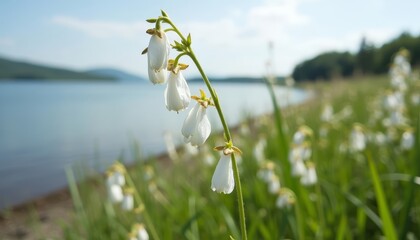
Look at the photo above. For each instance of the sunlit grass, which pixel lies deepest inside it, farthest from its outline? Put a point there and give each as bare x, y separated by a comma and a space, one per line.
358, 195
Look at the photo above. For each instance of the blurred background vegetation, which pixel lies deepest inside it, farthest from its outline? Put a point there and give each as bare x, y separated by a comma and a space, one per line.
368, 60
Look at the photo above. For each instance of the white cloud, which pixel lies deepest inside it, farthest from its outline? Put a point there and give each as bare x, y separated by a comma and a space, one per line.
102, 29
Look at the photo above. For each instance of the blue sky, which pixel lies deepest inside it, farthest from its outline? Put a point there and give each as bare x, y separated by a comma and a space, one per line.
229, 37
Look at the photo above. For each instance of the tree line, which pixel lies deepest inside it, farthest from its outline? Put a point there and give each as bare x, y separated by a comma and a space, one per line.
368, 60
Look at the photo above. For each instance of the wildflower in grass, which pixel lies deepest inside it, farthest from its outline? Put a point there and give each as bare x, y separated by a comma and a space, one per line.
298, 168
115, 181
310, 177
380, 138
157, 56
391, 102
274, 184
177, 92
138, 232
222, 180
357, 138
115, 176
327, 113
196, 128
285, 198
401, 65
407, 140
115, 193
127, 203
259, 150
266, 172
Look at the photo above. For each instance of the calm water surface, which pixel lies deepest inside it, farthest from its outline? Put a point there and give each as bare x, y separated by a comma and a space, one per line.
46, 127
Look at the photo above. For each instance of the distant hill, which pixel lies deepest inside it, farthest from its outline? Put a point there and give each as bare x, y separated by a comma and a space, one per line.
19, 70
117, 74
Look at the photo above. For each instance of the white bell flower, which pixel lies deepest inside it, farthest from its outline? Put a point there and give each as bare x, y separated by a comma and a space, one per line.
177, 92
357, 139
158, 50
274, 184
298, 168
285, 199
115, 193
139, 232
327, 113
309, 178
407, 140
116, 178
127, 203
222, 180
196, 128
298, 137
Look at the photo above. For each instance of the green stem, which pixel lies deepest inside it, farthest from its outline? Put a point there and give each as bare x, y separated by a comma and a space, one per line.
178, 57
228, 137
139, 202
236, 176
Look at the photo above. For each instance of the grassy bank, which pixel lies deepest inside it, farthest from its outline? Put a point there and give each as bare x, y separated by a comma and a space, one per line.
358, 194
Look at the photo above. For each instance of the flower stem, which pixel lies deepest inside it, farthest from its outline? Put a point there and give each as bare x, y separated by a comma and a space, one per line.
236, 176
228, 137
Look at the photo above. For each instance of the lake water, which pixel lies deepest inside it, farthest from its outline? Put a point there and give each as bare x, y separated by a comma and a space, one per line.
45, 127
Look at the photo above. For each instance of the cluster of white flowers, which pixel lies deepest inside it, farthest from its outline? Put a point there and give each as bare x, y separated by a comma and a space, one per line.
196, 127
266, 172
300, 153
395, 104
117, 191
388, 122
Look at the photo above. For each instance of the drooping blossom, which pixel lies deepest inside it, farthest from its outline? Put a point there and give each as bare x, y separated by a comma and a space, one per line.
357, 139
177, 92
158, 56
222, 180
407, 140
310, 177
196, 128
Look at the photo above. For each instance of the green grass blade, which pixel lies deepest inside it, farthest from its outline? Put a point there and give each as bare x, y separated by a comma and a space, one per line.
77, 201
388, 226
409, 198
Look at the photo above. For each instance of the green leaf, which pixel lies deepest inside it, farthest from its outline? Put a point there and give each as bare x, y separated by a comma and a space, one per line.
151, 20
388, 226
189, 39
164, 13
410, 193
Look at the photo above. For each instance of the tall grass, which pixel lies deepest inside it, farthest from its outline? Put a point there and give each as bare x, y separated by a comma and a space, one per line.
357, 196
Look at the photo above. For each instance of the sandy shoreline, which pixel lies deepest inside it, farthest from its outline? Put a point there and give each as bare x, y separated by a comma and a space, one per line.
43, 217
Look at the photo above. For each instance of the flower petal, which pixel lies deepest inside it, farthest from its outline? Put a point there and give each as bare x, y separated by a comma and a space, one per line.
158, 52
202, 129
190, 122
222, 180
